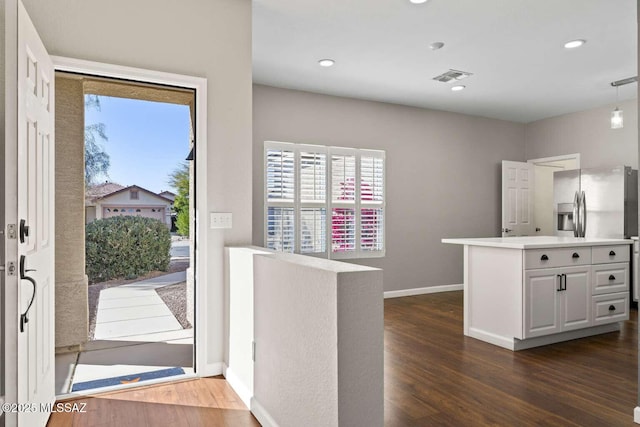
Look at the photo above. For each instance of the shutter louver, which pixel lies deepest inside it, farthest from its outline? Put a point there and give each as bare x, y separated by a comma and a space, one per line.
371, 229
280, 229
313, 236
280, 175
371, 179
343, 230
313, 177
343, 178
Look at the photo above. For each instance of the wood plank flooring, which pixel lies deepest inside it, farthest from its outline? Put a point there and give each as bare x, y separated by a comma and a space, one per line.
435, 376
191, 403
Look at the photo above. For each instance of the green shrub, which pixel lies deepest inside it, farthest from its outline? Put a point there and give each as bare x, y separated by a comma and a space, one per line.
126, 247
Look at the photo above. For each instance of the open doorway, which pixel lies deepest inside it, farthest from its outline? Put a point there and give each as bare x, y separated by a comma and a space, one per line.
137, 240
543, 170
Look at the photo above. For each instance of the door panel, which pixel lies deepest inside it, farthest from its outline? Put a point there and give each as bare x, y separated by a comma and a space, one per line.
29, 205
541, 311
576, 313
517, 199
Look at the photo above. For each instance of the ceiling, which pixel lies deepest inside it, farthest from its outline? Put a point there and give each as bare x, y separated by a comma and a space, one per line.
514, 48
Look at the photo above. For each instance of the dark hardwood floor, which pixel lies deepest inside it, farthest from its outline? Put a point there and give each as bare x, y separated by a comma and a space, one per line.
435, 376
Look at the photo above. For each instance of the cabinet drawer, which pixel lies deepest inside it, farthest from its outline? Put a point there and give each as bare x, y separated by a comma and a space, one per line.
609, 278
559, 257
610, 308
604, 254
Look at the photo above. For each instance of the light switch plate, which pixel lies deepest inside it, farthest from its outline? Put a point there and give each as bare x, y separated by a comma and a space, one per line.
220, 220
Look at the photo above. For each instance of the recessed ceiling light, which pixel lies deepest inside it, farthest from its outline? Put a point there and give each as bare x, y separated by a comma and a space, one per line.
418, 1
457, 88
326, 62
572, 44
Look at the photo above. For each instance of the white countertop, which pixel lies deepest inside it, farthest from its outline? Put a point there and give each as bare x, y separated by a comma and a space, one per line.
535, 242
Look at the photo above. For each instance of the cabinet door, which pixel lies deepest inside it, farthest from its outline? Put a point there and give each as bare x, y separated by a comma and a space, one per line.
541, 302
576, 299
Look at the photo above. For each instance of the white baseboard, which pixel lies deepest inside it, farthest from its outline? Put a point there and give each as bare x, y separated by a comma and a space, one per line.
636, 415
262, 415
241, 389
422, 291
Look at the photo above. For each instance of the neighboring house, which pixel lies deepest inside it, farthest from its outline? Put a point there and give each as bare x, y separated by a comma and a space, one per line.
111, 199
168, 195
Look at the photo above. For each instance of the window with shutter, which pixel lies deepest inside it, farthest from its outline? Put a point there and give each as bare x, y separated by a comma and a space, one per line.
324, 201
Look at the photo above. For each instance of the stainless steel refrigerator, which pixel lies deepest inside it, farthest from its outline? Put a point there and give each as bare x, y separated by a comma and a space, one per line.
599, 202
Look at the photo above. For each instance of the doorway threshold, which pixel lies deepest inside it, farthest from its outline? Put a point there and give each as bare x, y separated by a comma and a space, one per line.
111, 365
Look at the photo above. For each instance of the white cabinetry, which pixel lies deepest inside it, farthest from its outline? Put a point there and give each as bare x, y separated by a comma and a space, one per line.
556, 300
521, 293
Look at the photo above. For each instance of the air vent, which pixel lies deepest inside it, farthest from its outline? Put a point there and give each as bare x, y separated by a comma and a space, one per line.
452, 75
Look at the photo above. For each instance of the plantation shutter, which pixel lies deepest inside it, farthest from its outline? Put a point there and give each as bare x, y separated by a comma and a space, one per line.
280, 199
343, 202
313, 199
324, 201
372, 201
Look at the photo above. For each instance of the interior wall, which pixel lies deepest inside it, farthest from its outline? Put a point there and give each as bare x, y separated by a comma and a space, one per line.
204, 38
588, 133
443, 173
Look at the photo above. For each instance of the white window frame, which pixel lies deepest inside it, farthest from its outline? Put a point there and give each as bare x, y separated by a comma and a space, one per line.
328, 204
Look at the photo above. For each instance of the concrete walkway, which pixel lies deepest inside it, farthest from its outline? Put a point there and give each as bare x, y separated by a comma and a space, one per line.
136, 309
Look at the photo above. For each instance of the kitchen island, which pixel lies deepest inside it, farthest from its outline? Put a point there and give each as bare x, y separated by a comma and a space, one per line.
523, 292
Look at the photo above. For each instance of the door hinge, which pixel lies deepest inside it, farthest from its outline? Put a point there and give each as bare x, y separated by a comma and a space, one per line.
253, 351
11, 268
11, 231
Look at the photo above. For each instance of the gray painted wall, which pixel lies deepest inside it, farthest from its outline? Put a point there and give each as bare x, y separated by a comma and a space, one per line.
206, 38
588, 133
443, 172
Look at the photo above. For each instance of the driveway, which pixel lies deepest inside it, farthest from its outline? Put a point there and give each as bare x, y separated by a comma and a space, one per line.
179, 248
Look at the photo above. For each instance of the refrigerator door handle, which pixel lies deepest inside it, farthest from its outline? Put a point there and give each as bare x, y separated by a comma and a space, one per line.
576, 218
583, 215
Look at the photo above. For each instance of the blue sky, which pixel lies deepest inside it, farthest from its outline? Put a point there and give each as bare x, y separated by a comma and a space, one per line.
147, 140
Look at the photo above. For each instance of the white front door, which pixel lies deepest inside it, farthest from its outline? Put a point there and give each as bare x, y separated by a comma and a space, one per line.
517, 199
30, 236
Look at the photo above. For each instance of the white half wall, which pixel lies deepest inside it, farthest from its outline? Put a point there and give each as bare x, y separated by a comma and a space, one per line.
240, 308
319, 342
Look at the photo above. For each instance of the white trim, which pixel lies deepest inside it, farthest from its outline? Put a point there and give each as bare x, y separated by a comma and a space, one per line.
515, 344
211, 369
199, 85
422, 291
261, 414
241, 389
575, 156
636, 415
